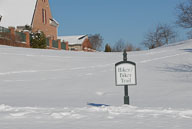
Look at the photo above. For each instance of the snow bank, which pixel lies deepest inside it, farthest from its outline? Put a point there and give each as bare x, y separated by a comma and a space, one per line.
87, 112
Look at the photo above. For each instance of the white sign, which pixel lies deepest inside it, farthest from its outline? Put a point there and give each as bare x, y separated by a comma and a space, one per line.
125, 73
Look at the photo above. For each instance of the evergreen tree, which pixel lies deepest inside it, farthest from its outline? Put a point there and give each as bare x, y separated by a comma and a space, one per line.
38, 40
107, 48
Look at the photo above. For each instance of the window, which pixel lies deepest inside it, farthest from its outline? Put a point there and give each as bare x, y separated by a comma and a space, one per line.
44, 16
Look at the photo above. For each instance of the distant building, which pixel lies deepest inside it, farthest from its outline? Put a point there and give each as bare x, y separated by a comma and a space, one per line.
36, 14
77, 43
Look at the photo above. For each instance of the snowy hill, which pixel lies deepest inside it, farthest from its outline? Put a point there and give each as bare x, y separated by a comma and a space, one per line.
48, 89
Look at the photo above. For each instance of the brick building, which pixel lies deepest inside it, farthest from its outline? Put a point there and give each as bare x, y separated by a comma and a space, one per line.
34, 13
77, 43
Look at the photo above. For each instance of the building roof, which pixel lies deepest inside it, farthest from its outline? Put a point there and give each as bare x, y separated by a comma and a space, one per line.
73, 40
17, 12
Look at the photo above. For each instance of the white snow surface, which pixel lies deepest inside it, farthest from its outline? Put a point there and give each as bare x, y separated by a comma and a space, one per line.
16, 12
49, 89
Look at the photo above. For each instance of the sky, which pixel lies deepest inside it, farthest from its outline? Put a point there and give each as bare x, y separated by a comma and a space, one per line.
129, 20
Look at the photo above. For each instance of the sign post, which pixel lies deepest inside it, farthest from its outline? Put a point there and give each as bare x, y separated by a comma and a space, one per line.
125, 75
126, 97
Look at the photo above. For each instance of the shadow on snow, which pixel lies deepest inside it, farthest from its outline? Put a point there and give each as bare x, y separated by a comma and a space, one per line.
179, 68
187, 50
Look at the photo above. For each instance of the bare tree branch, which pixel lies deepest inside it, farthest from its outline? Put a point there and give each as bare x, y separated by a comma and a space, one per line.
96, 41
119, 46
162, 34
184, 14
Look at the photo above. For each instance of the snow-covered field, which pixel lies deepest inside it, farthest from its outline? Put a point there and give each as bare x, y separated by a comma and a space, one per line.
48, 89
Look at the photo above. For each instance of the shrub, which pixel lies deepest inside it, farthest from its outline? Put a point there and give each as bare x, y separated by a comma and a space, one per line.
107, 48
38, 40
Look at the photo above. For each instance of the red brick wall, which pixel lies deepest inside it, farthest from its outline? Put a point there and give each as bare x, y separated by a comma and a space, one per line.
12, 43
11, 39
67, 45
38, 24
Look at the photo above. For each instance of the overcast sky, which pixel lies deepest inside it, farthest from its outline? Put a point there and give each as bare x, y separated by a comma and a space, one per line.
113, 19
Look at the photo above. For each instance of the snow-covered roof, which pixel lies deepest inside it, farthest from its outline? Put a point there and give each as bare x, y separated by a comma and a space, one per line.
73, 40
16, 12
53, 22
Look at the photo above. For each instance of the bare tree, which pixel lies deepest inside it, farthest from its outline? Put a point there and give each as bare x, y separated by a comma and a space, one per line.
167, 33
137, 49
119, 46
162, 34
96, 41
130, 47
184, 14
152, 39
